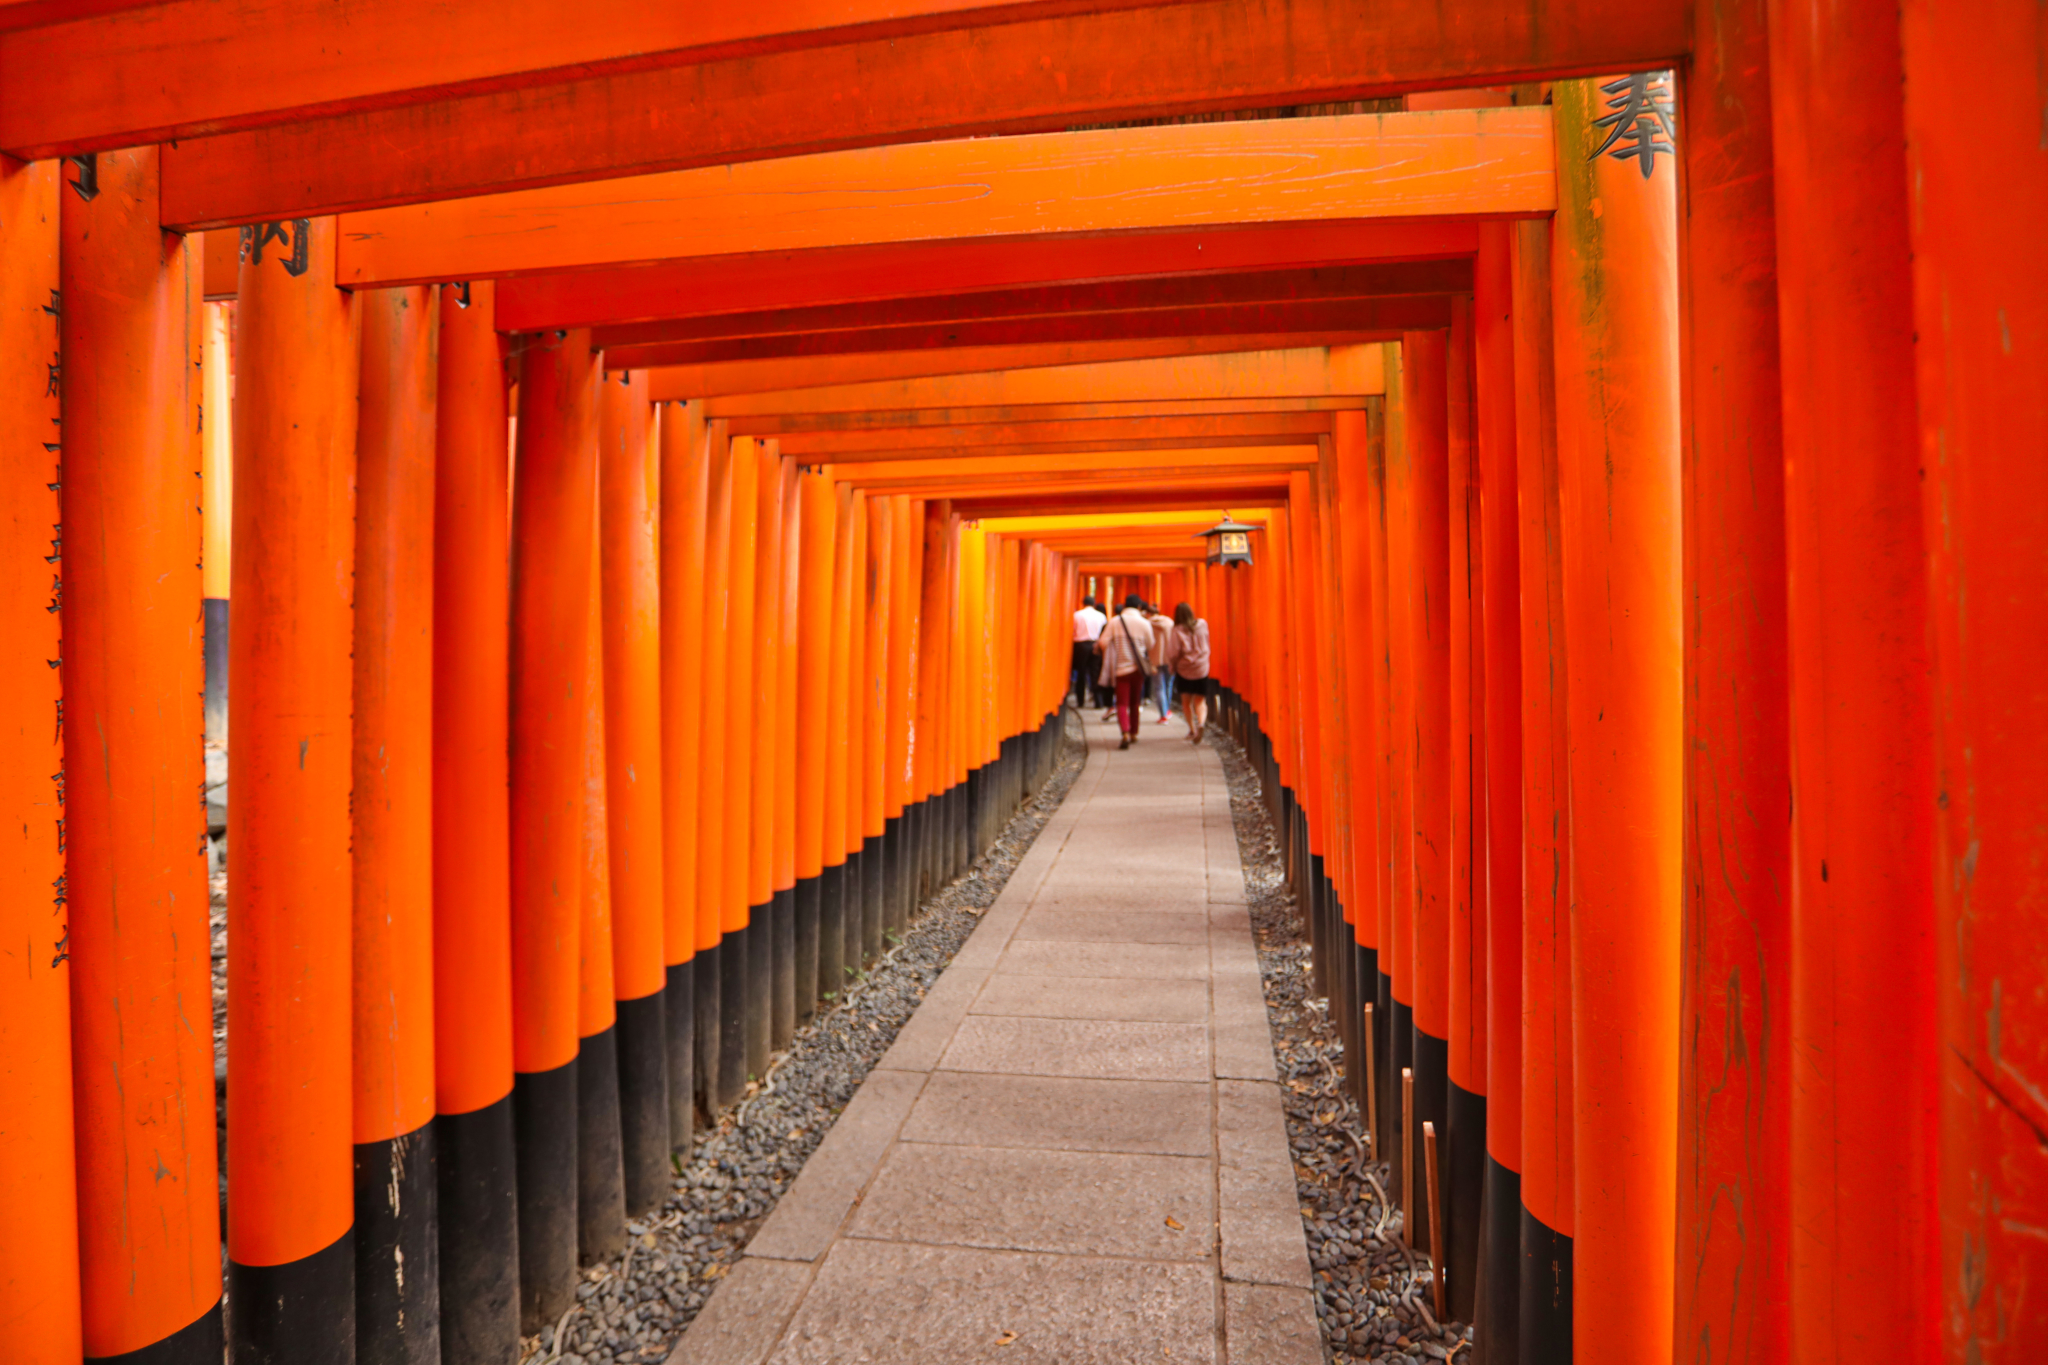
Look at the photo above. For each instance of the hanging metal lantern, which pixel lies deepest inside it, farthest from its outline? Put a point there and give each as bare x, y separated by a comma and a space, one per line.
1230, 542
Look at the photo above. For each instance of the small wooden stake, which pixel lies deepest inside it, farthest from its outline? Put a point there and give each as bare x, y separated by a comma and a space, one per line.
1408, 1154
1372, 1086
1436, 1222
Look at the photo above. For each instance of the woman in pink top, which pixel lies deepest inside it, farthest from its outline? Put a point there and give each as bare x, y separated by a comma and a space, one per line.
1187, 654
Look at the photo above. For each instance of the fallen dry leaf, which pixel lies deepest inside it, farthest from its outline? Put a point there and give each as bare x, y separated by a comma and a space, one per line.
1006, 1338
1172, 1223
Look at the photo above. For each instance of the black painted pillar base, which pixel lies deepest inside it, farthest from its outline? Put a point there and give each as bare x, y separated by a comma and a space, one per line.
479, 1207
398, 1250
1401, 1025
1432, 1065
301, 1312
895, 861
544, 1137
709, 969
600, 1162
760, 990
1464, 1177
202, 1341
1497, 1313
732, 1019
782, 1003
1365, 982
679, 1017
829, 972
1322, 949
808, 901
874, 891
1383, 1064
642, 1032
1546, 1293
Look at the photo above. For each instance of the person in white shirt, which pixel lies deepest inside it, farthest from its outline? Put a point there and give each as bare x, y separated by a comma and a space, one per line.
1126, 648
1088, 623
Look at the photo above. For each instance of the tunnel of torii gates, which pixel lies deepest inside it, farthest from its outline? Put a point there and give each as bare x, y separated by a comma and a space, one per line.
667, 444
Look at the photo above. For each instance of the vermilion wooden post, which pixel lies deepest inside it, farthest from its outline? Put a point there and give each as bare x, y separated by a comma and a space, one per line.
811, 707
1401, 723
864, 823
715, 849
1546, 846
1615, 273
743, 478
1981, 315
1497, 1312
882, 763
479, 1245
1352, 456
133, 895
685, 479
1379, 627
39, 1289
600, 1167
782, 619
1735, 1064
1863, 1110
839, 834
629, 539
1464, 1141
906, 549
934, 619
291, 1253
392, 843
554, 521
762, 628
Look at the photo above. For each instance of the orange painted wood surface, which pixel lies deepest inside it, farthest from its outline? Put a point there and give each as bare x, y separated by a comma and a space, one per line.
1015, 77
596, 1008
1456, 163
685, 476
715, 850
290, 1158
39, 1289
1057, 436
756, 281
391, 797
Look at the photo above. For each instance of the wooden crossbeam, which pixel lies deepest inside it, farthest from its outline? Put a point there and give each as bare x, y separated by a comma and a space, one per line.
760, 281
1447, 163
1193, 461
390, 138
1114, 433
1314, 413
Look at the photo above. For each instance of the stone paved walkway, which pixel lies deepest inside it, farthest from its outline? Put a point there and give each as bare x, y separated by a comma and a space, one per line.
1074, 1151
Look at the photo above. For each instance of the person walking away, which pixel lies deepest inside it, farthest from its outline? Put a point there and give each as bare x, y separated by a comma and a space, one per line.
1088, 623
1126, 645
1162, 676
1187, 657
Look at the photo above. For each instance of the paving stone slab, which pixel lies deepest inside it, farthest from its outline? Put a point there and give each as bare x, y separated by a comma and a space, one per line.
883, 1303
1269, 1324
1188, 926
1172, 1001
1256, 1201
1063, 1113
1159, 1208
1154, 960
745, 1315
1077, 895
922, 1040
808, 1217
1103, 1049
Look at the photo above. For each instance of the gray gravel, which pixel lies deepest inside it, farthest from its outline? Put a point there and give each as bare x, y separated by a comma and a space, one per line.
633, 1309
1372, 1293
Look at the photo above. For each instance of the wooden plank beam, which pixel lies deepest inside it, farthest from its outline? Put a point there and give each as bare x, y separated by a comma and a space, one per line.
1206, 460
1284, 410
34, 13
1443, 164
694, 287
734, 380
1013, 379
1392, 279
1032, 75
1374, 319
1114, 433
1097, 503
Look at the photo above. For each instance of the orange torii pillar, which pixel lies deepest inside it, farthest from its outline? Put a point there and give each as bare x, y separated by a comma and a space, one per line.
1351, 445
839, 815
1425, 361
554, 521
934, 622
1862, 1029
1981, 311
1735, 1060
741, 478
472, 857
397, 1241
39, 1274
1614, 264
1464, 1158
782, 621
1497, 1277
906, 554
768, 902
715, 850
684, 476
134, 894
1311, 814
880, 766
629, 541
1398, 643
860, 873
291, 1251
600, 1165
811, 709
1546, 847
